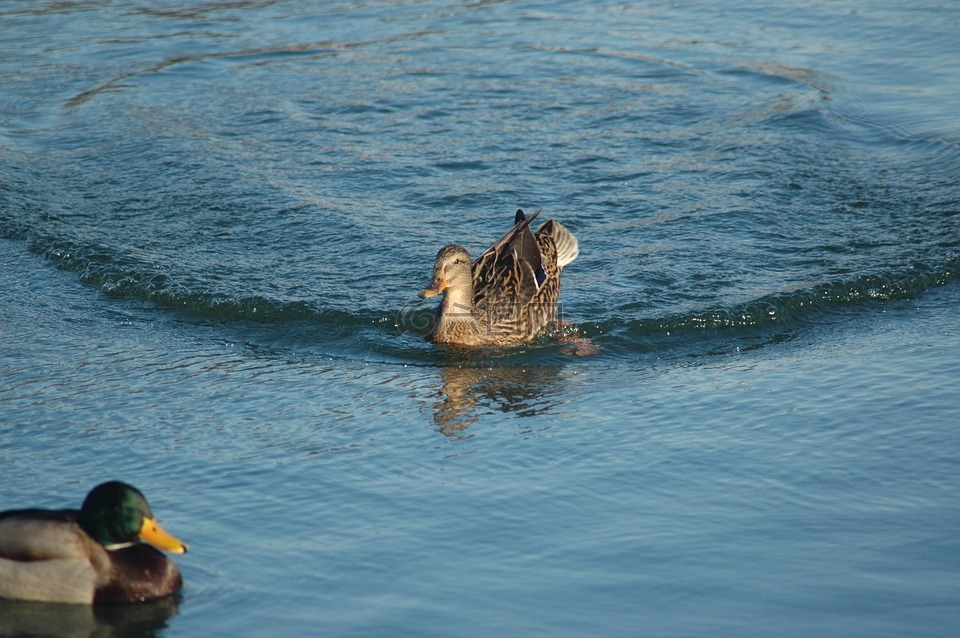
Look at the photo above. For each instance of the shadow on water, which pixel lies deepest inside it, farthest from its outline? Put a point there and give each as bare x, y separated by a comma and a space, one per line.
22, 618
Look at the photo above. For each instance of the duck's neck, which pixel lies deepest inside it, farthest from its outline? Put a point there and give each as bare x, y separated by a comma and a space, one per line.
458, 303
457, 324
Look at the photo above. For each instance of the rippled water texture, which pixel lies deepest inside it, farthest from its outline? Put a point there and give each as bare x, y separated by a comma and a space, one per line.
215, 218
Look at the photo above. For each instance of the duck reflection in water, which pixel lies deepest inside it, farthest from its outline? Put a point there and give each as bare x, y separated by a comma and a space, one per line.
27, 618
471, 389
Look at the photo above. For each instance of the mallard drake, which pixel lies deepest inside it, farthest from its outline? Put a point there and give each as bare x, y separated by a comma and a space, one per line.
509, 293
91, 555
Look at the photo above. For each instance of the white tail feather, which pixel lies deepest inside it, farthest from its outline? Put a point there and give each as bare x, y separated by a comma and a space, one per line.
567, 245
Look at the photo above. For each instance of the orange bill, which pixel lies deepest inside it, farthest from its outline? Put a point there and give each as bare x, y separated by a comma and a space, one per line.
152, 533
439, 286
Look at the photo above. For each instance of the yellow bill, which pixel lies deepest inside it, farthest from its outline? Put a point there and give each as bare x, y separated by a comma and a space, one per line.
152, 533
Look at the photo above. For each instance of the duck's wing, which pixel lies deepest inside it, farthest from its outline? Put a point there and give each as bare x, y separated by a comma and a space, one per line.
59, 580
36, 534
511, 270
45, 556
557, 247
518, 240
517, 280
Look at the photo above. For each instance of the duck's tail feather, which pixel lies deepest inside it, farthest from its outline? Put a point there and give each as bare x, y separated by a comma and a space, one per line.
567, 245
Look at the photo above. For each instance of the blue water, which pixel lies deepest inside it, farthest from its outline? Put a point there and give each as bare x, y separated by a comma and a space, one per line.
215, 218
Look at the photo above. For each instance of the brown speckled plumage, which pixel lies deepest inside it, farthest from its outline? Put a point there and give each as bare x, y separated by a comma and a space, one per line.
509, 293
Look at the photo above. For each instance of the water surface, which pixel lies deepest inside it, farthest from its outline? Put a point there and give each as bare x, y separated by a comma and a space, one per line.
215, 220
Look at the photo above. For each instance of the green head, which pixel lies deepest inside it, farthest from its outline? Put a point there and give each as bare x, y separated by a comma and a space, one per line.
115, 513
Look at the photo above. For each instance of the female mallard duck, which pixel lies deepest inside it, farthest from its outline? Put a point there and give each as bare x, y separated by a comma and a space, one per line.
90, 555
509, 293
